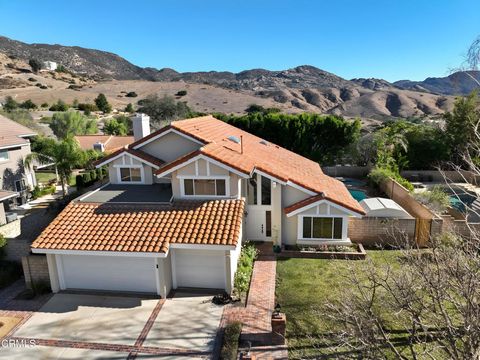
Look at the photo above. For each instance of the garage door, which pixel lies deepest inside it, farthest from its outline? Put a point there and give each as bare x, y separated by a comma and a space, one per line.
117, 273
200, 268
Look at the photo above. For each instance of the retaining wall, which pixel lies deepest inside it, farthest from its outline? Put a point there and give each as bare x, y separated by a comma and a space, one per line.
372, 231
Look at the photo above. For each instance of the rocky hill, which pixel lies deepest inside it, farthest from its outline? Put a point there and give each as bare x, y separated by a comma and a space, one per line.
303, 88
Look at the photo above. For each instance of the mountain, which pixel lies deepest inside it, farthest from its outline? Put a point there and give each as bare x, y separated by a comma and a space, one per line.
303, 88
458, 83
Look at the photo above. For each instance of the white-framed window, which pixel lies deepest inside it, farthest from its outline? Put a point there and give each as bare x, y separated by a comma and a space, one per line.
130, 174
320, 227
205, 187
259, 190
4, 155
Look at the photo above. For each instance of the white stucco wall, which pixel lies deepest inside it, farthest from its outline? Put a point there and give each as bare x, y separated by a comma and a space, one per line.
126, 161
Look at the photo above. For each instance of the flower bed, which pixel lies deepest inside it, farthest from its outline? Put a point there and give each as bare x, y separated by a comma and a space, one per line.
352, 252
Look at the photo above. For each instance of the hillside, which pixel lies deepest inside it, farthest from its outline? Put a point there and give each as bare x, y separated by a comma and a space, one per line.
303, 88
458, 83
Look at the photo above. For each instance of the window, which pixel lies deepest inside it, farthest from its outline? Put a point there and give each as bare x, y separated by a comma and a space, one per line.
268, 223
3, 155
204, 187
322, 228
20, 185
266, 191
130, 174
252, 191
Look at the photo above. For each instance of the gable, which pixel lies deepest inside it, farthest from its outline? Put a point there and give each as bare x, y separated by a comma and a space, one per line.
322, 207
169, 146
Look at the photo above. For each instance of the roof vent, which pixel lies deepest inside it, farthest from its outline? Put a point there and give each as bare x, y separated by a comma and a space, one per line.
237, 140
264, 142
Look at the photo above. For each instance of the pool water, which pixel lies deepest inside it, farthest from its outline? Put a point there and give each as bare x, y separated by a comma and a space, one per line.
349, 182
358, 195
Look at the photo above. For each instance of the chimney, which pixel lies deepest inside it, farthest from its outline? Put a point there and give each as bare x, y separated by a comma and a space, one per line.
141, 126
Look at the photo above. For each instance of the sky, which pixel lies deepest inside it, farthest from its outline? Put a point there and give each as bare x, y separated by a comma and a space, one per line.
389, 39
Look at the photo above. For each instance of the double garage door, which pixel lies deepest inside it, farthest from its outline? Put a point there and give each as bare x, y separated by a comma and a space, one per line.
193, 268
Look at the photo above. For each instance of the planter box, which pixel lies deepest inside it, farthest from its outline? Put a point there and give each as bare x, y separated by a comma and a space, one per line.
336, 255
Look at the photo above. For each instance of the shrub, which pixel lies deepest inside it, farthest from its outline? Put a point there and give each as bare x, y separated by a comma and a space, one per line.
245, 267
79, 181
10, 104
28, 104
44, 105
131, 94
86, 179
102, 103
379, 175
93, 175
435, 199
43, 87
181, 93
231, 337
59, 106
100, 175
129, 108
32, 79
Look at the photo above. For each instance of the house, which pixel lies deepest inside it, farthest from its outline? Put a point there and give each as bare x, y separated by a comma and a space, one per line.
14, 147
179, 204
50, 65
103, 143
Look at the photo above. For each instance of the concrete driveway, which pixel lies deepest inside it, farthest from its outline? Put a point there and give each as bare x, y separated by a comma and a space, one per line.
79, 326
187, 321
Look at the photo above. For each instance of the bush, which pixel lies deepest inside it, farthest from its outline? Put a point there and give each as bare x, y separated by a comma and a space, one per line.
102, 103
43, 87
181, 93
100, 174
93, 175
32, 79
44, 105
28, 104
435, 199
379, 175
129, 108
10, 104
86, 179
39, 192
59, 106
3, 243
131, 94
231, 337
79, 181
244, 270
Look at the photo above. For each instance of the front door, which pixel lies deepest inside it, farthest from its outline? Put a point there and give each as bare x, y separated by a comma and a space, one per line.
259, 224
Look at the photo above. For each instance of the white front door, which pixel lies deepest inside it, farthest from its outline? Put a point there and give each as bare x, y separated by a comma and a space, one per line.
258, 224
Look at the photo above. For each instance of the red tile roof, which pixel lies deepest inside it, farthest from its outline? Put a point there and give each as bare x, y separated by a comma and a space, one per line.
261, 155
143, 228
12, 133
111, 142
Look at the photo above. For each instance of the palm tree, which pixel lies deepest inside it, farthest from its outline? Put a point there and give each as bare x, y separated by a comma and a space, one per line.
65, 154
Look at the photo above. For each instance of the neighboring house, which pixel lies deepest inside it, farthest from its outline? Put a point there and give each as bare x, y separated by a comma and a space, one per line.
180, 203
50, 65
103, 143
5, 196
14, 147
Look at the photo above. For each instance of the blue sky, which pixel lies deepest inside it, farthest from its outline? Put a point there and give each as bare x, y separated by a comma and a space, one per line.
387, 39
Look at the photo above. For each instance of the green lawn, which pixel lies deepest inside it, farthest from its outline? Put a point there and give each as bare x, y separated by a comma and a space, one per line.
303, 286
44, 177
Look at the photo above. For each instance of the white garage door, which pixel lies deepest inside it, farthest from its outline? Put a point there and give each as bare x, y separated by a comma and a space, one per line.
117, 273
200, 268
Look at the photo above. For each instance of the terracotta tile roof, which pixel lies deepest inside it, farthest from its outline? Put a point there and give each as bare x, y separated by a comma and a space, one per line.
111, 142
261, 155
303, 203
143, 228
12, 133
138, 153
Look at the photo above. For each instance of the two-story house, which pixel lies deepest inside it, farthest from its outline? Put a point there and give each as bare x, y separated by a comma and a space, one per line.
14, 147
179, 204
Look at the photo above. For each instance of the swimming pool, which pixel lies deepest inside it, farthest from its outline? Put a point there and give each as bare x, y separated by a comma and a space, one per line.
358, 195
349, 182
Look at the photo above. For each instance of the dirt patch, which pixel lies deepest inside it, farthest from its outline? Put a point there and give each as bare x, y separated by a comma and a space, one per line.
7, 323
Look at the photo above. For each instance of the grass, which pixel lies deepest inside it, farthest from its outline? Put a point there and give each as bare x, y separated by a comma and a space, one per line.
44, 177
304, 286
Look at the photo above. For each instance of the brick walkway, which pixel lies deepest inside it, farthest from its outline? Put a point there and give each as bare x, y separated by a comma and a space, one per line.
256, 315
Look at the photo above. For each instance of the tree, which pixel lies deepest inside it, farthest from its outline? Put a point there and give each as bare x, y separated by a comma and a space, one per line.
59, 106
35, 64
462, 124
65, 154
181, 93
131, 94
163, 109
129, 108
72, 123
10, 104
102, 103
113, 127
